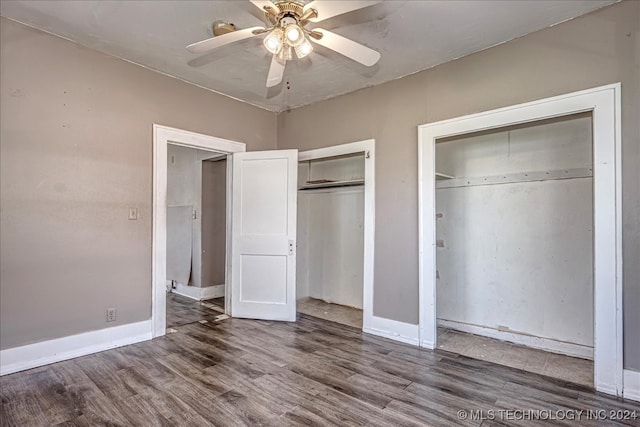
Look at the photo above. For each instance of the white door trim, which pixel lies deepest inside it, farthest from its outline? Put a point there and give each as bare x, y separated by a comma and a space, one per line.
368, 147
604, 103
162, 136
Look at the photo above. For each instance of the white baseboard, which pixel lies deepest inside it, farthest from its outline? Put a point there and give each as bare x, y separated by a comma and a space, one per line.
430, 345
392, 329
546, 344
209, 292
631, 388
46, 352
199, 294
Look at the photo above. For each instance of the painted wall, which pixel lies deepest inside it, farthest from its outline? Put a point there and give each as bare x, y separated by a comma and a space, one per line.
76, 154
596, 49
214, 226
518, 256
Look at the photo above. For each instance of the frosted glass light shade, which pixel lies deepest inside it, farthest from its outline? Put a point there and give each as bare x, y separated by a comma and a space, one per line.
273, 42
303, 49
285, 53
294, 35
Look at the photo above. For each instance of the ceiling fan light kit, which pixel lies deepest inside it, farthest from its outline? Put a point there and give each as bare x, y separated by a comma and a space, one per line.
287, 32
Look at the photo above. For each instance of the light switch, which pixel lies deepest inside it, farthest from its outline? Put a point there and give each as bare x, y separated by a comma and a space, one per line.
133, 213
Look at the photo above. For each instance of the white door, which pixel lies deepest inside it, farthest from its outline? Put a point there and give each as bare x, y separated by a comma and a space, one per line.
263, 235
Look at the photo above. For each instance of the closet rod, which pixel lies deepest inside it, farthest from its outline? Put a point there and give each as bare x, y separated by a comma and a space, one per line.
332, 184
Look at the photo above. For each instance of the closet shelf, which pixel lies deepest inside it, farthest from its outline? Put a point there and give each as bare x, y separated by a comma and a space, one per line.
326, 183
441, 176
515, 177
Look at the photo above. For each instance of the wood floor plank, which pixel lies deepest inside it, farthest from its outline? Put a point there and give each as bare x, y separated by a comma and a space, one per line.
362, 412
289, 388
140, 412
300, 416
365, 370
428, 414
248, 410
238, 372
99, 409
167, 403
103, 375
56, 402
24, 409
80, 421
248, 386
441, 402
69, 372
464, 389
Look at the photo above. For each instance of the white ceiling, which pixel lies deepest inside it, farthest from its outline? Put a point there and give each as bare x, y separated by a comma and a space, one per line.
410, 35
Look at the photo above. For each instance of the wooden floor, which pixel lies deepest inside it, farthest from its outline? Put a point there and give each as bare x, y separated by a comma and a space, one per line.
312, 372
182, 310
572, 369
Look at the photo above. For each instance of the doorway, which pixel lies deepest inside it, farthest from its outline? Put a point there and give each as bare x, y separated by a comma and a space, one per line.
603, 103
196, 234
163, 137
260, 227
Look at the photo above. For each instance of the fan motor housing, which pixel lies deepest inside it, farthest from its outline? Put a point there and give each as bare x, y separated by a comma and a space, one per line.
290, 7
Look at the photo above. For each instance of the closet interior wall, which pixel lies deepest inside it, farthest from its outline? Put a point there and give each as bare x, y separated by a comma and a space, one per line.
514, 227
330, 257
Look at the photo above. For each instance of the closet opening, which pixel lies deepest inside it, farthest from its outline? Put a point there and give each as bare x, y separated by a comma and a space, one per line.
514, 251
331, 235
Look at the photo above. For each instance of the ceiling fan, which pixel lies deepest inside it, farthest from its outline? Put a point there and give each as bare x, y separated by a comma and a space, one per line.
287, 31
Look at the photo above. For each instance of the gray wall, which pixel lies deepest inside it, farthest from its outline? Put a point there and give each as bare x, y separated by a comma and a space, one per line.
76, 151
600, 48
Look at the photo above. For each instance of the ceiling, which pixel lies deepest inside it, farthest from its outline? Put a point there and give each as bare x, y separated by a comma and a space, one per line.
410, 35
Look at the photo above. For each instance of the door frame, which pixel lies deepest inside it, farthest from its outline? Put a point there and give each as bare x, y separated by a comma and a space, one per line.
162, 137
368, 147
605, 105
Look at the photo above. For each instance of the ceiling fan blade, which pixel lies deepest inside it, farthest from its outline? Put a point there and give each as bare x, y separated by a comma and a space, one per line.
276, 71
346, 47
217, 41
330, 8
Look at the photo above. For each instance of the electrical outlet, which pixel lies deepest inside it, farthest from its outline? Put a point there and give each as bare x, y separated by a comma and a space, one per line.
111, 314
